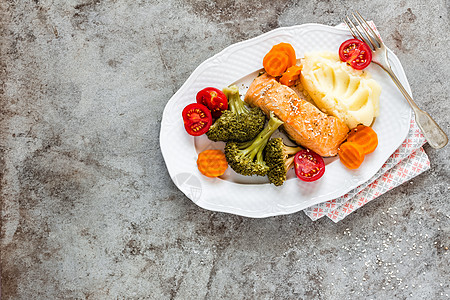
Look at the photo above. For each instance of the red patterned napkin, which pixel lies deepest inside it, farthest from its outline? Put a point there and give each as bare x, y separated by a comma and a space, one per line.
408, 161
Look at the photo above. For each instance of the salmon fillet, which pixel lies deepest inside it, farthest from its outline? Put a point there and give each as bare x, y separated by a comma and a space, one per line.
303, 122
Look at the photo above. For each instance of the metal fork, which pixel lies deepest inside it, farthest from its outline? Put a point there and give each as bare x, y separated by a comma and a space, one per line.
435, 136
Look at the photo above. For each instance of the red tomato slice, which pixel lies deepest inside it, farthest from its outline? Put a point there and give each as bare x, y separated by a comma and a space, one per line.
309, 166
197, 119
356, 53
214, 99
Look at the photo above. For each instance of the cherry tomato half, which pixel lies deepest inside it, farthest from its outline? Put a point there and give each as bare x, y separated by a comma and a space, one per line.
214, 99
356, 53
197, 119
309, 166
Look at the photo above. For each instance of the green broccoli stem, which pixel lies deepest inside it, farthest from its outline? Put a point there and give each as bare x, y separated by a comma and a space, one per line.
289, 162
290, 150
235, 102
256, 146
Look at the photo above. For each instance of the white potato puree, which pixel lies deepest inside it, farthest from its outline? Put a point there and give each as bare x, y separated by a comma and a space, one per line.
339, 90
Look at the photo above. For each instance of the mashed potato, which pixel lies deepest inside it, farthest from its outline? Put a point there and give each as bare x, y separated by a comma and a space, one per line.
339, 90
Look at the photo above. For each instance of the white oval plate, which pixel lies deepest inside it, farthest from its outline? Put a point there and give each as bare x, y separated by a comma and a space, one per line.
254, 196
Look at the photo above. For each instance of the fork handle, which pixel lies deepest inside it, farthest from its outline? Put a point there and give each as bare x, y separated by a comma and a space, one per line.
434, 135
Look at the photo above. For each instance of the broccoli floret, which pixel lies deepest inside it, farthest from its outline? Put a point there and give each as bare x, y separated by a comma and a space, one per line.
247, 158
238, 124
279, 158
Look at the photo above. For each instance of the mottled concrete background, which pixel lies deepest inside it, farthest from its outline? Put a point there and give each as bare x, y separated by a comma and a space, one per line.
89, 210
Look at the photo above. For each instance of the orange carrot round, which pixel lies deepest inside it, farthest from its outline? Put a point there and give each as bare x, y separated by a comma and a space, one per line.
351, 155
212, 163
364, 136
291, 75
275, 63
286, 47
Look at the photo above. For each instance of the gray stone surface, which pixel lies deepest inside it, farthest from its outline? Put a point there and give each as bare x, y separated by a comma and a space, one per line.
89, 210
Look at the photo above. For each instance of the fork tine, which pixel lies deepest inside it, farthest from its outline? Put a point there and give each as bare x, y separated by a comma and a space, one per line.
377, 38
369, 39
359, 35
351, 29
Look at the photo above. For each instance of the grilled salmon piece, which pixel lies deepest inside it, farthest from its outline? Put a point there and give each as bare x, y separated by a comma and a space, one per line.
303, 122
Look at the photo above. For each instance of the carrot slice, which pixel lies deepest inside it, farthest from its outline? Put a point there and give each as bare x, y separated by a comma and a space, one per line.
364, 136
286, 47
275, 63
212, 163
291, 75
351, 155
